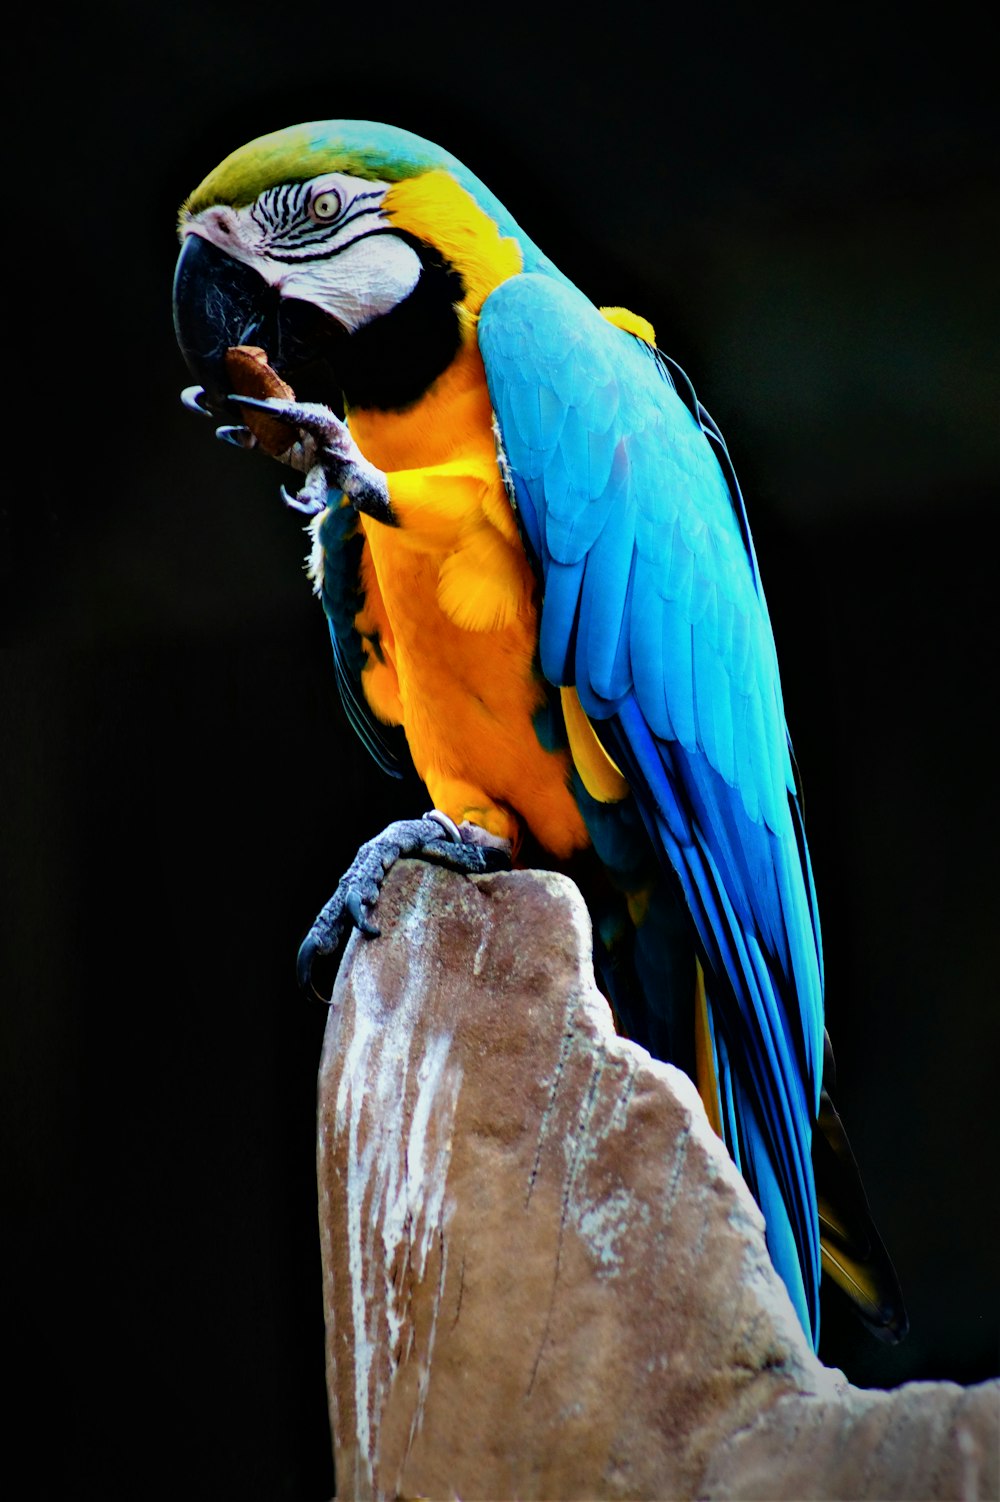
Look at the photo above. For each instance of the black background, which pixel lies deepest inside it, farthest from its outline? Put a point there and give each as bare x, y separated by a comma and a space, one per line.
807, 212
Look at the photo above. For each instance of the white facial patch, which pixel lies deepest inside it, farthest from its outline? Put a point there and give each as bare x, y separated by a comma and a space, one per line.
363, 281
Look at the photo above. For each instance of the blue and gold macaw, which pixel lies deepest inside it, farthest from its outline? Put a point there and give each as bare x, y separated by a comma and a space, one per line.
535, 558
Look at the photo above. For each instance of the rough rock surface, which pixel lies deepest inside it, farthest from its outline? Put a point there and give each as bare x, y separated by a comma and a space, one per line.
543, 1277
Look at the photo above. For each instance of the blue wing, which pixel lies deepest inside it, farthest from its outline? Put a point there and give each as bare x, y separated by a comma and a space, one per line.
652, 607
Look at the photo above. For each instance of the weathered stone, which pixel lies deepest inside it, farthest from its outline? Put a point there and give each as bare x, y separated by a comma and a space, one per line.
543, 1276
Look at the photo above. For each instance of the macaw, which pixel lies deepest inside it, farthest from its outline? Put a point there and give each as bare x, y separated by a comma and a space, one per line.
535, 558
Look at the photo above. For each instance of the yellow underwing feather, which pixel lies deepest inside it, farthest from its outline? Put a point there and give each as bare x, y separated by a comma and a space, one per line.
598, 773
851, 1249
854, 1278
638, 905
706, 1072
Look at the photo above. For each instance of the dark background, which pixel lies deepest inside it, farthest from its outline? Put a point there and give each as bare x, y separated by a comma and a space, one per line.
807, 212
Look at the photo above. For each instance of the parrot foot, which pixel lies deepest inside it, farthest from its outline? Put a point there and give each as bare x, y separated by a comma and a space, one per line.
434, 837
335, 462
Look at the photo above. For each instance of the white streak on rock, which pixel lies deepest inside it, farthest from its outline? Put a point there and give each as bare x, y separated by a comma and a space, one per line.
399, 1121
350, 1101
606, 1225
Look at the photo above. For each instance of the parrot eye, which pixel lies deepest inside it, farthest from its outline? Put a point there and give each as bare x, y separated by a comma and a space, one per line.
325, 205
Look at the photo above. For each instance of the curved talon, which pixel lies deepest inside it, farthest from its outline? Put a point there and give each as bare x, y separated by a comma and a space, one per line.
308, 950
449, 826
310, 507
239, 437
353, 904
191, 398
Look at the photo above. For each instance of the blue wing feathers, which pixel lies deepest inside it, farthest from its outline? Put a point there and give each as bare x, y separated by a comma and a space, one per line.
602, 618
677, 655
713, 710
646, 650
558, 634
652, 607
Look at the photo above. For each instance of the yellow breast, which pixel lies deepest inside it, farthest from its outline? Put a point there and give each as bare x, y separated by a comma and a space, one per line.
452, 598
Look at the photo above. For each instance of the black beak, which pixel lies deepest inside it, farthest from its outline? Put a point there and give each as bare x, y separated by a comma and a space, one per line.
219, 302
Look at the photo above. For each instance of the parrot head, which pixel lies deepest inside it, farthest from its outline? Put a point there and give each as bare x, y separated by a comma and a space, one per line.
355, 255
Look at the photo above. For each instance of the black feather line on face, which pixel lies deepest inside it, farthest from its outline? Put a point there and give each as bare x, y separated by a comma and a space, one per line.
290, 241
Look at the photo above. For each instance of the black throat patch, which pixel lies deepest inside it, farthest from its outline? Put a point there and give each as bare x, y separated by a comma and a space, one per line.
389, 364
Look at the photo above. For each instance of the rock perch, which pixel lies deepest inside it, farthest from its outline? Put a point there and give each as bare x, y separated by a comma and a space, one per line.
543, 1277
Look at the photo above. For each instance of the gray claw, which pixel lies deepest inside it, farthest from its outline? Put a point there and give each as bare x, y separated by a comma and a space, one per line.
449, 826
306, 502
352, 903
239, 437
191, 397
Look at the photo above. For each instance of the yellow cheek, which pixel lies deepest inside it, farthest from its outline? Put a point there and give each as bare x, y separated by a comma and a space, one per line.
439, 211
